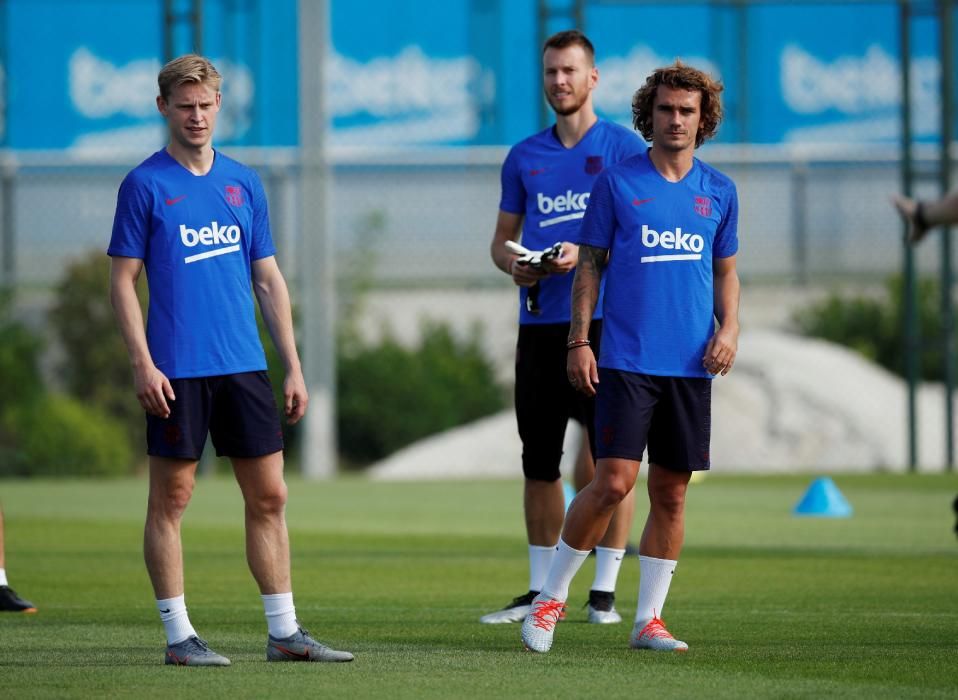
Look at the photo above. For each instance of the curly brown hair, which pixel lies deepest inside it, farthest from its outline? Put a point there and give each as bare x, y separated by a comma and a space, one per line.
679, 76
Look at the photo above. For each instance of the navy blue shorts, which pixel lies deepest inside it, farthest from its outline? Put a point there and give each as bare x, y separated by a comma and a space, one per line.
545, 401
237, 410
672, 416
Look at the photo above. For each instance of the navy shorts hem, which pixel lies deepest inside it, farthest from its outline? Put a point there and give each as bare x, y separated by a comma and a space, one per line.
238, 411
667, 418
251, 452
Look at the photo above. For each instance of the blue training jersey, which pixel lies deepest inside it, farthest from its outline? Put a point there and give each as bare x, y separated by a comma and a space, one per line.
197, 237
662, 236
550, 185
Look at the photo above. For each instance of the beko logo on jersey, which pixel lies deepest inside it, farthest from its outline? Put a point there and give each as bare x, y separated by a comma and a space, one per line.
568, 206
692, 243
214, 234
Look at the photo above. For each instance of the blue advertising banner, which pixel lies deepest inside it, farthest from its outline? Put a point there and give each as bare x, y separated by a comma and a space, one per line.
80, 74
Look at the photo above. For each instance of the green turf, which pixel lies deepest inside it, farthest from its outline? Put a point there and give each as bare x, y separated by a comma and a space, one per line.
771, 605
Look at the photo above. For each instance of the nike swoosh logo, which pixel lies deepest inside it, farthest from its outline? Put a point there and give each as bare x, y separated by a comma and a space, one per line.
290, 652
636, 202
537, 171
618, 558
176, 199
165, 611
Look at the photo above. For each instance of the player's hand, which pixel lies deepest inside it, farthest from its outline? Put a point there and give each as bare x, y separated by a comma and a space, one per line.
525, 275
565, 262
295, 397
582, 371
908, 211
721, 351
153, 390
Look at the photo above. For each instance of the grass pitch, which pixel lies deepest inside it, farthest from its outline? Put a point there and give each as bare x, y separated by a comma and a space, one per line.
770, 604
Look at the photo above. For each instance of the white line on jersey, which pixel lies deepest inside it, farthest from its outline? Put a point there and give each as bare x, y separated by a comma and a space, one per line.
670, 258
211, 254
560, 219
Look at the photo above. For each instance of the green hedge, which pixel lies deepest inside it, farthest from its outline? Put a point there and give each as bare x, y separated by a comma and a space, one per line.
873, 325
391, 395
56, 435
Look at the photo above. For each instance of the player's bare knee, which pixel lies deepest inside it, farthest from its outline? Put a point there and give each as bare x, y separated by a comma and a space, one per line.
171, 502
610, 490
271, 501
668, 501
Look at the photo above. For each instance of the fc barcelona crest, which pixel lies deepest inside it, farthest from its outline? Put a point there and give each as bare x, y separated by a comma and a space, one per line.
703, 206
234, 195
593, 165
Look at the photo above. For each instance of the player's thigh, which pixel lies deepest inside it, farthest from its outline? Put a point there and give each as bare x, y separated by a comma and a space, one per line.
245, 420
261, 478
624, 408
182, 434
544, 400
682, 425
582, 407
171, 483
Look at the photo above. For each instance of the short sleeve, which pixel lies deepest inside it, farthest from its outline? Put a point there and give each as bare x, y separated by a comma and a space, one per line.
261, 245
513, 199
726, 236
132, 220
598, 225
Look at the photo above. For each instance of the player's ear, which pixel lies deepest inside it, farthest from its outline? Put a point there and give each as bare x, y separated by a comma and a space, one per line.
161, 105
219, 99
593, 77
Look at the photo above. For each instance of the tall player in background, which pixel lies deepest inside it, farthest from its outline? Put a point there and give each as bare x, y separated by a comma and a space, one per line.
667, 223
546, 181
197, 221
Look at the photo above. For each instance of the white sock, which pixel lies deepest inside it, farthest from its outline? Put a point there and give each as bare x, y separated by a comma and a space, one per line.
175, 619
540, 559
3, 577
654, 581
564, 567
280, 614
608, 561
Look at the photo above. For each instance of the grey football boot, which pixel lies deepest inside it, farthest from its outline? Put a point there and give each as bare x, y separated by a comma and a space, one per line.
193, 651
301, 647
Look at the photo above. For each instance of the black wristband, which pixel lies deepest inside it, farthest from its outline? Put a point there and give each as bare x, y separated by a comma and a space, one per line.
920, 221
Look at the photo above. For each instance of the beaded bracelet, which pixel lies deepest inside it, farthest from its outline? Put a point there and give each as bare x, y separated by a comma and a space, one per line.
578, 343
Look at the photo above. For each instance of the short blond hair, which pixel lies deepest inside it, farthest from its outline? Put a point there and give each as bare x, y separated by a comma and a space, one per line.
191, 68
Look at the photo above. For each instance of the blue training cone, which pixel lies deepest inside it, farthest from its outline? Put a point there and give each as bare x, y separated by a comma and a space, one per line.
823, 500
569, 493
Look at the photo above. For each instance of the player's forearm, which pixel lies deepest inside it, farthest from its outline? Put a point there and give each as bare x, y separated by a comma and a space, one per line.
129, 318
727, 293
585, 290
274, 303
941, 212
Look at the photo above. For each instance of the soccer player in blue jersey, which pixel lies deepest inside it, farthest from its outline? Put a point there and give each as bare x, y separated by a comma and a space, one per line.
197, 222
662, 229
546, 183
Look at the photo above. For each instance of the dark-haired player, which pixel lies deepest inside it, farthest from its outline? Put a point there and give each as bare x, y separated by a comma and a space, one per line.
546, 183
